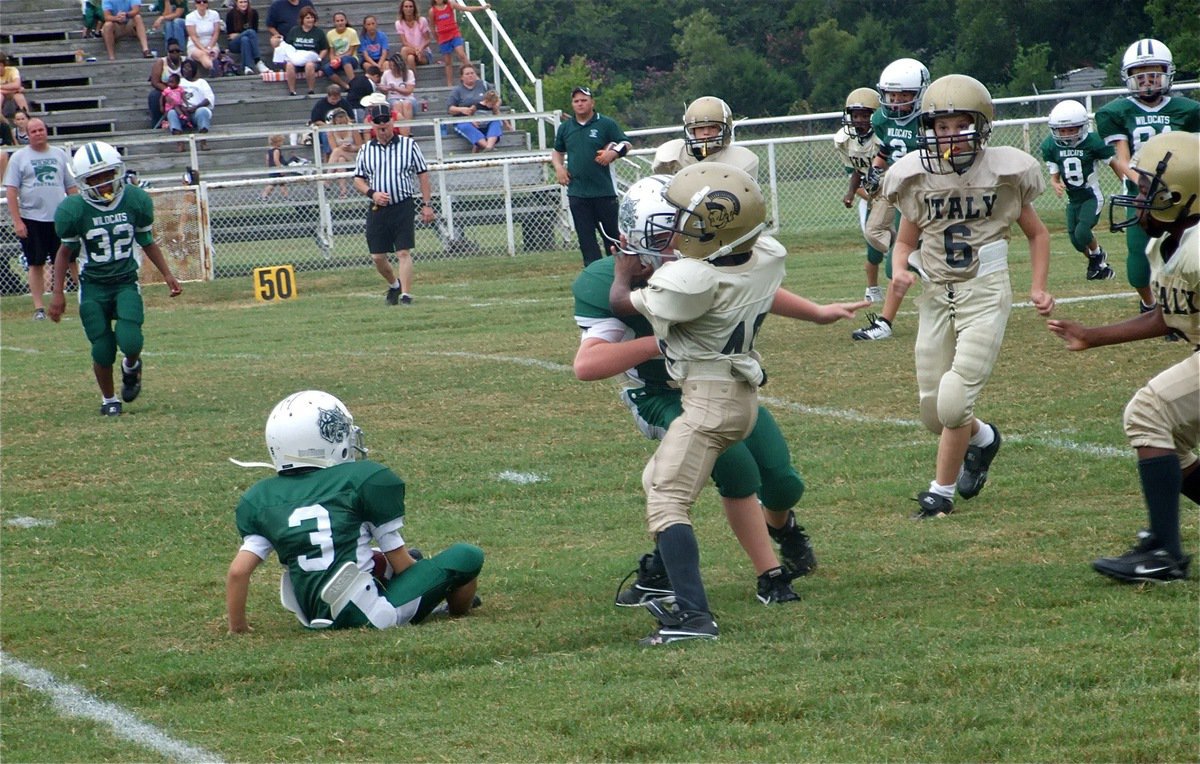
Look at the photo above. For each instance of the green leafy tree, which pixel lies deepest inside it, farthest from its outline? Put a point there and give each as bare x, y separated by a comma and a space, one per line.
1031, 72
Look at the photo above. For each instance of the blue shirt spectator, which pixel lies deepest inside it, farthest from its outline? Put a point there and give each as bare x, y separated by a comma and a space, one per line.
285, 14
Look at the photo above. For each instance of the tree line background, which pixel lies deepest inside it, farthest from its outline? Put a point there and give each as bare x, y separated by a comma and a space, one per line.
646, 60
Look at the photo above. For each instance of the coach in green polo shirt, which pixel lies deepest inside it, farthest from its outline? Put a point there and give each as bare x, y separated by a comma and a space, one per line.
590, 143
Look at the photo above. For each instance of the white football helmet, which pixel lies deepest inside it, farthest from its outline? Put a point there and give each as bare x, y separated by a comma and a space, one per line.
100, 172
864, 101
899, 78
312, 429
707, 112
720, 210
645, 220
1148, 52
1168, 167
1069, 124
948, 96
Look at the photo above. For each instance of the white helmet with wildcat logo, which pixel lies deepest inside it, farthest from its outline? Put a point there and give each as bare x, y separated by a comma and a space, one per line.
100, 172
312, 428
645, 219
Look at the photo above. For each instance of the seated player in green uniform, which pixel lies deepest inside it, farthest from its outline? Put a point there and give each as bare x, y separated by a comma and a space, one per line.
321, 514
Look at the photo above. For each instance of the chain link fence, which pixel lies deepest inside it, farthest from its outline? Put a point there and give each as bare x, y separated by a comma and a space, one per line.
503, 206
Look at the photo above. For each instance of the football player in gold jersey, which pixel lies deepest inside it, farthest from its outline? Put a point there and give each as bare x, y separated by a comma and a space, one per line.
707, 137
958, 199
1162, 420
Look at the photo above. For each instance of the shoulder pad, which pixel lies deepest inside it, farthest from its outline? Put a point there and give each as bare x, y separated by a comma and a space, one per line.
768, 247
666, 157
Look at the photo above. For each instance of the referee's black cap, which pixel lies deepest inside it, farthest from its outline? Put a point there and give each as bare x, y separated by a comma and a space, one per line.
379, 113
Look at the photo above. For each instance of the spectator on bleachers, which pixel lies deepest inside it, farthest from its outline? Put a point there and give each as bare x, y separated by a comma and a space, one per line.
364, 84
319, 116
12, 90
17, 133
198, 106
343, 49
172, 21
415, 36
282, 15
443, 17
474, 96
174, 97
307, 37
241, 24
343, 144
160, 72
373, 43
203, 31
398, 83
123, 18
275, 158
93, 18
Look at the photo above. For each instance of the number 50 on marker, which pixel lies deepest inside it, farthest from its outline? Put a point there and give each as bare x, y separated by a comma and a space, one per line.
278, 282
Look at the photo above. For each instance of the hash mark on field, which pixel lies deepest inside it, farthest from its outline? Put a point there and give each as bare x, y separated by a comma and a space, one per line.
29, 522
70, 700
520, 478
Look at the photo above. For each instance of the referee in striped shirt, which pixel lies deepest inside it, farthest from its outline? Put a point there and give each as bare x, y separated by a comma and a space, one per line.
384, 171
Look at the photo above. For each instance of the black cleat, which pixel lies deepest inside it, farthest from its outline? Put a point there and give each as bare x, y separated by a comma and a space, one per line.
393, 295
677, 625
131, 382
795, 549
932, 505
775, 586
1146, 561
110, 409
1098, 268
651, 584
879, 328
975, 466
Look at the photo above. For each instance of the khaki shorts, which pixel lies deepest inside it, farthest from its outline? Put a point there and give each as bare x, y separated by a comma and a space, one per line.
1166, 412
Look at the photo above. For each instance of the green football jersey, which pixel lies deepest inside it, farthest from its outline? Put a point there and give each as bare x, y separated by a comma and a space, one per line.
592, 307
1076, 166
319, 520
1129, 120
104, 238
896, 137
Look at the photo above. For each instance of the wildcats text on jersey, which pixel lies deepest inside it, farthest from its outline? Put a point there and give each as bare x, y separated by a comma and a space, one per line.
1152, 119
116, 217
959, 207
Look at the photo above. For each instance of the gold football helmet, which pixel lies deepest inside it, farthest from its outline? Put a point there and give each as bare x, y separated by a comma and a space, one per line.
721, 210
856, 116
707, 112
1168, 168
947, 96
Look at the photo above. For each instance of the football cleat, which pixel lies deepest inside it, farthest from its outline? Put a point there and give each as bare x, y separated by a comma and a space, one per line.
110, 409
651, 584
39, 314
795, 549
774, 586
879, 328
873, 294
932, 505
406, 299
443, 608
1146, 561
1098, 268
131, 382
678, 625
974, 471
393, 295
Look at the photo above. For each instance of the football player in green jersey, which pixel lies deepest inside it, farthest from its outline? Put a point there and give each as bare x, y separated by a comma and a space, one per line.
102, 224
321, 514
902, 84
1162, 420
1126, 123
1071, 153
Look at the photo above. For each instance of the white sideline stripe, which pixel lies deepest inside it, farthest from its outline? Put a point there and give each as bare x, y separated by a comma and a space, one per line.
535, 362
73, 701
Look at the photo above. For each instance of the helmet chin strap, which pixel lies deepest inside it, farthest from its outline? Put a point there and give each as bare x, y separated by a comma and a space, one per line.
251, 465
728, 248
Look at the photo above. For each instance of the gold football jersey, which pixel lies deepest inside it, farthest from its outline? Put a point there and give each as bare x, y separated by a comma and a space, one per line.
1176, 283
673, 156
964, 219
855, 154
706, 317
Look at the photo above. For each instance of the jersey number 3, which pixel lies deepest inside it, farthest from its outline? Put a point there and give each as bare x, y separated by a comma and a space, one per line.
104, 247
321, 538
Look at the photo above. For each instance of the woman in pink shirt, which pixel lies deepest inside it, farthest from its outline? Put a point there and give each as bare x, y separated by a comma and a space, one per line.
413, 29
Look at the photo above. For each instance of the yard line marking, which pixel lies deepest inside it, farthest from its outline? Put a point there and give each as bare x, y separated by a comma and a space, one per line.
74, 701
845, 415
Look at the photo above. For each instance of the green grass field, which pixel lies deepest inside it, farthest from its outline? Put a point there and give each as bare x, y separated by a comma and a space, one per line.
984, 636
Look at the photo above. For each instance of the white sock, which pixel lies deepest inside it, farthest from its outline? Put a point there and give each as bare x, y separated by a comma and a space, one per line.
945, 491
113, 399
984, 437
125, 365
395, 284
